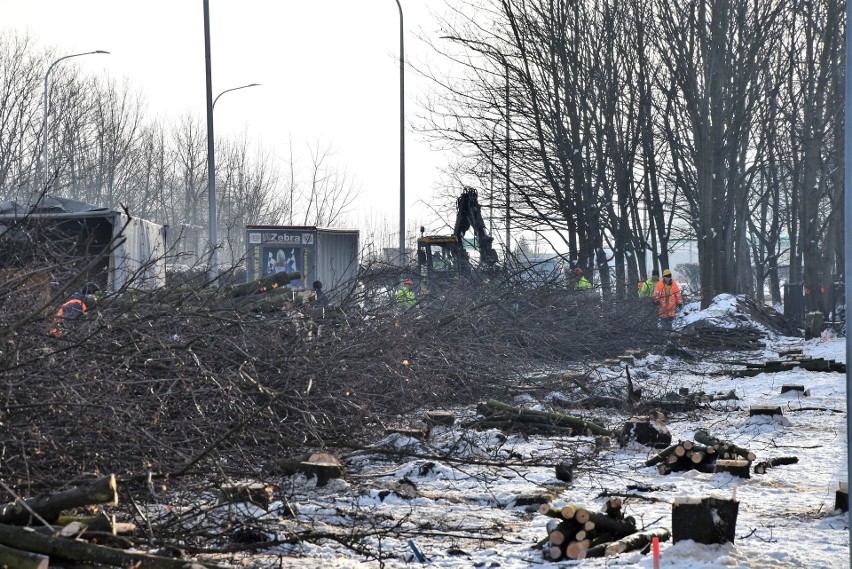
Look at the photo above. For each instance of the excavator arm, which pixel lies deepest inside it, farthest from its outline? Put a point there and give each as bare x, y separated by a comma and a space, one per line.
469, 215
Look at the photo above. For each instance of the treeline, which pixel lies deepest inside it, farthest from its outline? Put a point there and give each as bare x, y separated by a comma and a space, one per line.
106, 149
623, 127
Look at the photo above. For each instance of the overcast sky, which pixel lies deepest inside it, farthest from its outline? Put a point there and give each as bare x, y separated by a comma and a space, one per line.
328, 68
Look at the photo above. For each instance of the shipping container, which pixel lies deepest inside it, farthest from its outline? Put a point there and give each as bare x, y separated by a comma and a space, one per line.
318, 253
131, 251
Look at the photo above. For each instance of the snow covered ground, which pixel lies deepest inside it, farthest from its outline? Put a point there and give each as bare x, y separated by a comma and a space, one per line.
463, 512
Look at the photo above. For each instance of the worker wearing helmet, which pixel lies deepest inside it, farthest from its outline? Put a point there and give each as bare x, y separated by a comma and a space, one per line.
646, 289
405, 296
667, 296
581, 283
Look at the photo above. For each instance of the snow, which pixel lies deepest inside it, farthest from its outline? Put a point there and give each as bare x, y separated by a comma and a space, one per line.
461, 512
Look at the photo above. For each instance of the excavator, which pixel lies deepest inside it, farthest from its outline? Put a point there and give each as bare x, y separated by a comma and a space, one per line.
445, 255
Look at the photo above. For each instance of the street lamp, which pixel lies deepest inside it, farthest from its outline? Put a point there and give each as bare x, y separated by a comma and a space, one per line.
47, 108
211, 180
401, 140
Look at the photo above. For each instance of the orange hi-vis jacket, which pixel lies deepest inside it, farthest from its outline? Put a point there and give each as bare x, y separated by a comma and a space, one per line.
68, 311
668, 297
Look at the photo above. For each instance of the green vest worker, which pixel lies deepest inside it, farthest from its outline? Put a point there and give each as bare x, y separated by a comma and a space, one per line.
580, 282
646, 289
405, 296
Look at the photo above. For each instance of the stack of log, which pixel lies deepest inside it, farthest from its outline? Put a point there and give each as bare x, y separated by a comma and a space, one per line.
55, 538
705, 454
577, 533
507, 417
788, 360
722, 339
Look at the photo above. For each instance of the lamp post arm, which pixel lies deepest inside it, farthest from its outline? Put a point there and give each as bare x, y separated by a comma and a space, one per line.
233, 89
46, 108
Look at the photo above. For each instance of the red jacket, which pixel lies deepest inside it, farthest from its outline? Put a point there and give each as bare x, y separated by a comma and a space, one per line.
668, 297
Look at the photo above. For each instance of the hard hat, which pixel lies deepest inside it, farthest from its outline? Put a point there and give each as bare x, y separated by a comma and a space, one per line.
667, 273
578, 271
408, 282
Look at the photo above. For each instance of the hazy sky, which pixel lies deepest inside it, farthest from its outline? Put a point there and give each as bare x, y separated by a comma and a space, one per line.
328, 68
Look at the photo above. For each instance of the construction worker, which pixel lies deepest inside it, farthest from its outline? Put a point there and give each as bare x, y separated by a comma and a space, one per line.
71, 310
646, 289
667, 296
581, 283
319, 296
405, 296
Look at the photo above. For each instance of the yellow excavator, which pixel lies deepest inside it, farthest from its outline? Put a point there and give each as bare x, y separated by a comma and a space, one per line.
445, 255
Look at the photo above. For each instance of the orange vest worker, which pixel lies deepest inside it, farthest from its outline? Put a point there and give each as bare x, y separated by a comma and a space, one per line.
667, 295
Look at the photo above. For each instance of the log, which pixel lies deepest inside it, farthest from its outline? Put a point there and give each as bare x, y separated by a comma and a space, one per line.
662, 455
264, 284
704, 438
81, 551
102, 491
582, 515
11, 558
612, 508
579, 425
704, 520
606, 524
737, 467
100, 523
645, 432
762, 467
636, 541
770, 410
551, 512
577, 549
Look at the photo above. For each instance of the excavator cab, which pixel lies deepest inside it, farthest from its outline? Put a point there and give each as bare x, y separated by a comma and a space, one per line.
440, 256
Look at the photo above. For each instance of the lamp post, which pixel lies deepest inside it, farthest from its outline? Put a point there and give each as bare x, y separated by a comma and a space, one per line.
401, 140
212, 269
47, 108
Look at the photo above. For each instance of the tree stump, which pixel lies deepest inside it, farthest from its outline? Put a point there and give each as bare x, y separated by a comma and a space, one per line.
770, 410
813, 325
434, 418
841, 497
737, 467
800, 389
565, 471
704, 520
645, 431
256, 493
